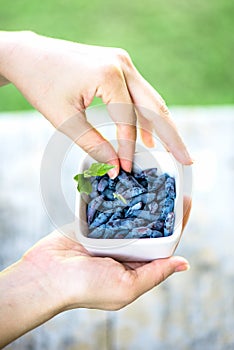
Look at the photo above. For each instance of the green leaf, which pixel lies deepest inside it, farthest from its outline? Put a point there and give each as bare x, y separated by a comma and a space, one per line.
84, 185
76, 177
98, 169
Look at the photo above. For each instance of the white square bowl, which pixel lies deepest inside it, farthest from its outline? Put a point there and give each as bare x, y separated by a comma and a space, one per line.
142, 249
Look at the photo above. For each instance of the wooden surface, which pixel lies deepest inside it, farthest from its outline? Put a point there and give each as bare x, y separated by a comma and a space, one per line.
189, 311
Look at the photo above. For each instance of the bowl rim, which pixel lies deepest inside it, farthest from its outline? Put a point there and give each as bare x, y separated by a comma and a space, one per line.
104, 243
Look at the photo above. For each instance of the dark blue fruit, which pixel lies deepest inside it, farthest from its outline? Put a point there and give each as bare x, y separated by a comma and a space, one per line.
101, 218
112, 184
102, 184
157, 225
167, 207
118, 214
153, 207
93, 207
133, 192
137, 232
108, 194
97, 232
159, 181
133, 205
94, 192
169, 224
156, 234
161, 194
128, 180
170, 187
144, 198
121, 223
120, 234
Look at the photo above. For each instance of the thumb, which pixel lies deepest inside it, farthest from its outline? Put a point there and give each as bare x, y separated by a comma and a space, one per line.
155, 272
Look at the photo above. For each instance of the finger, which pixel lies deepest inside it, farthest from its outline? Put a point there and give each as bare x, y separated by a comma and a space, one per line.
160, 117
155, 272
90, 140
116, 95
146, 131
151, 105
125, 119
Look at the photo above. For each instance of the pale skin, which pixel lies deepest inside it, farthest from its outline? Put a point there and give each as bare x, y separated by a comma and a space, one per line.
60, 79
58, 274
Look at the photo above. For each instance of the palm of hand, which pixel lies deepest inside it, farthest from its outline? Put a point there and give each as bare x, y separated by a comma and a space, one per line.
77, 279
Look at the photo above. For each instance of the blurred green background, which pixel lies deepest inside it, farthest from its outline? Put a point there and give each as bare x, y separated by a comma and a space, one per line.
184, 48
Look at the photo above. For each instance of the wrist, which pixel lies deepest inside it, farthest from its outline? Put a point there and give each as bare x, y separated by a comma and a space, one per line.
4, 47
26, 300
10, 46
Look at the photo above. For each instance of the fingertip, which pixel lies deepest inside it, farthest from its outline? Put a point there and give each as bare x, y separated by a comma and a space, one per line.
186, 158
181, 154
147, 138
188, 161
149, 142
183, 267
126, 165
180, 264
113, 173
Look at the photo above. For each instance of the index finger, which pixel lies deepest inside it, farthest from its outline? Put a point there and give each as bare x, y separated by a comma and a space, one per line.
153, 108
90, 140
125, 119
114, 93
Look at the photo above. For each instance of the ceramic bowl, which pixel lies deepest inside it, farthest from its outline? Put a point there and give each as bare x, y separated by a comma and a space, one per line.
143, 249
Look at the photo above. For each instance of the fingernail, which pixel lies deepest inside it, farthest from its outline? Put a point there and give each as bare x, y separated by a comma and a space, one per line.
189, 159
182, 267
113, 173
180, 263
126, 165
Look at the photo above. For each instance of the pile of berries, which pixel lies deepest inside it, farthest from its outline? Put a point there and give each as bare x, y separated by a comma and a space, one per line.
139, 204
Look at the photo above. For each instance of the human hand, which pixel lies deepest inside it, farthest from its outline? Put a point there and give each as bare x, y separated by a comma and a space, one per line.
58, 274
79, 279
61, 78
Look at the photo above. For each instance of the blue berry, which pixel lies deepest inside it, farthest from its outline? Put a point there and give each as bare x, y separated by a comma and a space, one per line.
168, 207
170, 187
101, 218
93, 207
97, 232
169, 224
147, 210
102, 184
153, 207
133, 192
108, 194
156, 234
